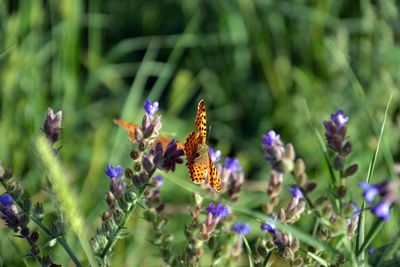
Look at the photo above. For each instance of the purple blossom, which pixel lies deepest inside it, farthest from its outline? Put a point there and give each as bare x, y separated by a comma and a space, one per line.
382, 210
218, 211
232, 165
370, 191
269, 226
113, 172
335, 133
270, 138
6, 200
339, 118
214, 155
296, 192
241, 229
150, 107
172, 156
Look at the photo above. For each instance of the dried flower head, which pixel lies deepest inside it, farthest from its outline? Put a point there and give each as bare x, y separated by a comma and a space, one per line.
52, 125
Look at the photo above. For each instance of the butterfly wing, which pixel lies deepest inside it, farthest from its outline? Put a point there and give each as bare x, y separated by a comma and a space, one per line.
191, 146
213, 179
198, 170
201, 122
129, 126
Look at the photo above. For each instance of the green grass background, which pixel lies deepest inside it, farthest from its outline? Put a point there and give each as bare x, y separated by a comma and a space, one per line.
255, 62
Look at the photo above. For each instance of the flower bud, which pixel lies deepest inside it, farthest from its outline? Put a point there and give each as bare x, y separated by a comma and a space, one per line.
35, 250
129, 173
351, 170
289, 152
299, 167
147, 164
134, 154
24, 231
287, 164
23, 220
34, 237
338, 162
347, 148
137, 167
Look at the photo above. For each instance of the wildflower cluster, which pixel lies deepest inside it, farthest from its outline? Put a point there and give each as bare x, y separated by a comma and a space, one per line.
17, 210
282, 160
341, 146
126, 191
213, 225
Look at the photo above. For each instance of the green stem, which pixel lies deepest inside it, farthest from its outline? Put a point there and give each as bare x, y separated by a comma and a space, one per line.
249, 254
266, 261
376, 227
111, 241
60, 240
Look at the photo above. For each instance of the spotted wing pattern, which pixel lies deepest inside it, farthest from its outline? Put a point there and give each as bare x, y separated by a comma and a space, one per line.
213, 179
191, 146
199, 163
201, 122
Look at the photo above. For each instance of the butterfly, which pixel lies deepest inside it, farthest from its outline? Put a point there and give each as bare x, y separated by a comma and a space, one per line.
199, 162
131, 129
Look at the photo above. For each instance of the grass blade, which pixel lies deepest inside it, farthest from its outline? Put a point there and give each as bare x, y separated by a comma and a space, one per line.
248, 249
361, 223
63, 192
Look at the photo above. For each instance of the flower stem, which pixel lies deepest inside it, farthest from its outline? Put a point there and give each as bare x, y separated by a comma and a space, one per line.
111, 241
61, 240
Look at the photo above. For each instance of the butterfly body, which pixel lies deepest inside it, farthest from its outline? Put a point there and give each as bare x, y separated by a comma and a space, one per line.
199, 163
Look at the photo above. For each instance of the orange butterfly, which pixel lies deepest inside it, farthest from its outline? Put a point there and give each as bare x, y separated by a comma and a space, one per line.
199, 163
131, 129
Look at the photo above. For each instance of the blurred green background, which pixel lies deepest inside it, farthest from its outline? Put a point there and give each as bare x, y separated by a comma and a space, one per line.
255, 62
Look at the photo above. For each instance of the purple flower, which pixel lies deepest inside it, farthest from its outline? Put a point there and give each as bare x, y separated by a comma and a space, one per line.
150, 107
335, 133
296, 192
214, 155
232, 165
270, 138
339, 118
218, 211
241, 229
6, 200
113, 172
370, 191
269, 226
158, 180
382, 210
172, 156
